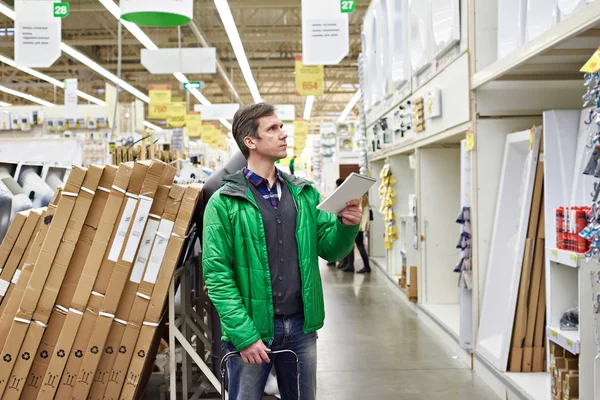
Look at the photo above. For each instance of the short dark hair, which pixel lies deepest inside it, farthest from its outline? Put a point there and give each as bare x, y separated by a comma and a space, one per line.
245, 123
339, 181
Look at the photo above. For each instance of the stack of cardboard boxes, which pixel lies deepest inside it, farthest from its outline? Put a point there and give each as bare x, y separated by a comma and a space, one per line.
564, 371
84, 282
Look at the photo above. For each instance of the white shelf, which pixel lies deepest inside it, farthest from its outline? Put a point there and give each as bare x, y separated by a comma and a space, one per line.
446, 314
548, 44
564, 257
533, 386
568, 340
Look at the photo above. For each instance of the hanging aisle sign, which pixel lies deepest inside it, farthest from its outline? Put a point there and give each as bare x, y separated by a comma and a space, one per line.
193, 124
37, 34
71, 98
325, 33
177, 113
309, 78
160, 98
159, 13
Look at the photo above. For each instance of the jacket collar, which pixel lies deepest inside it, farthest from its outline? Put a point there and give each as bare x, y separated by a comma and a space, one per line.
235, 184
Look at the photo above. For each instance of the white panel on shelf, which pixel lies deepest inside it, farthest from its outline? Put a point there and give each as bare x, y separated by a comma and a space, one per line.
398, 27
507, 248
445, 20
383, 55
511, 25
420, 34
373, 69
541, 16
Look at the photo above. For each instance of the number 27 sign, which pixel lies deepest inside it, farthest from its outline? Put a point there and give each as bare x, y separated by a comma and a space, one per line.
347, 6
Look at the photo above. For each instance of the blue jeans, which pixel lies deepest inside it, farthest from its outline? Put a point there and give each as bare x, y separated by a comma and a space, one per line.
247, 381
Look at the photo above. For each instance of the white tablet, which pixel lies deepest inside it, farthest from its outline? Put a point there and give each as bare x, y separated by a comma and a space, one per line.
353, 188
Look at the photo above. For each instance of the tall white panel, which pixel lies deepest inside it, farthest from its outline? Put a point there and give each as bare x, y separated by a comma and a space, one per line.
398, 40
420, 34
445, 20
541, 16
511, 25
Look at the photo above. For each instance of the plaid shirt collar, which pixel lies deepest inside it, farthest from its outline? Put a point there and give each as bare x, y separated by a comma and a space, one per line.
270, 194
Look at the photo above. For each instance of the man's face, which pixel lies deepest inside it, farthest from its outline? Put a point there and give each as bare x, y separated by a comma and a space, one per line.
271, 142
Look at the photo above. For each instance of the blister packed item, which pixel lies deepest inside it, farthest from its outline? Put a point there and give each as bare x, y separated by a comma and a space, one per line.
570, 320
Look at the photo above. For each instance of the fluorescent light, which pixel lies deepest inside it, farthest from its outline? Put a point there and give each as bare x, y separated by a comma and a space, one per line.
203, 100
238, 48
3, 104
105, 73
350, 106
180, 77
308, 106
51, 80
7, 11
26, 96
152, 126
226, 123
348, 86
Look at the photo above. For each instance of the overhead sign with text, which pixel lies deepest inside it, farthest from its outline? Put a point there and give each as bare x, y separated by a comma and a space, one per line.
187, 61
37, 34
216, 112
325, 33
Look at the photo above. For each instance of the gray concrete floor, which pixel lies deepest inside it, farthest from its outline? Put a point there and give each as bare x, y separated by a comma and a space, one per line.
374, 347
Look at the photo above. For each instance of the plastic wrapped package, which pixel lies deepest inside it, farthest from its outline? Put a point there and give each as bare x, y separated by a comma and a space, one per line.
6, 199
54, 179
20, 200
570, 320
36, 189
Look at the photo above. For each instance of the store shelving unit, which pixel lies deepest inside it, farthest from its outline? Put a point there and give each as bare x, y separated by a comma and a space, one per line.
568, 340
564, 257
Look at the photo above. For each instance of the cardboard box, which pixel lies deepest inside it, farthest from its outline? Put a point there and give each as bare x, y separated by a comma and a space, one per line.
12, 304
118, 278
11, 237
161, 219
571, 386
412, 290
17, 273
58, 270
102, 240
18, 250
67, 290
161, 282
41, 270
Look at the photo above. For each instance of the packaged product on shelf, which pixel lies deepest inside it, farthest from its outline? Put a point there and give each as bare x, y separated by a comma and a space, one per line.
571, 233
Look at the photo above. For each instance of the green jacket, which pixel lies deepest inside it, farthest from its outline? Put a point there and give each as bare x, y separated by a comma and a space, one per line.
235, 260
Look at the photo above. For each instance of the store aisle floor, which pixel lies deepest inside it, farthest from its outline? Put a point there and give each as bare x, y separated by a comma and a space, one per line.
374, 347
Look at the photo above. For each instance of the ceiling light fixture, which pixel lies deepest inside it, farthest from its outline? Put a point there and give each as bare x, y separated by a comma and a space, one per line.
3, 104
26, 96
238, 48
350, 106
308, 106
152, 126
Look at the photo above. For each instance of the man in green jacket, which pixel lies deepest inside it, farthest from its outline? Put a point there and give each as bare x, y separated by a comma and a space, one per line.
263, 237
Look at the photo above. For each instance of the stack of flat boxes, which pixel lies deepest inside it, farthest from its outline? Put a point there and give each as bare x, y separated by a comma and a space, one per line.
564, 372
87, 281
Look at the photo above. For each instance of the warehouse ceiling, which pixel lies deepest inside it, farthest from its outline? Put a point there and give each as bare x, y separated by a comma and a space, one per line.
271, 32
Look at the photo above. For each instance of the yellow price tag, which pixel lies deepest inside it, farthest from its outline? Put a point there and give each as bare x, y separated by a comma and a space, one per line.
569, 342
593, 64
309, 78
574, 257
470, 140
531, 138
160, 98
554, 252
554, 334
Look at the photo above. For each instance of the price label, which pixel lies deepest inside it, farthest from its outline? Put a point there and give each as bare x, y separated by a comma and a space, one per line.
569, 342
309, 78
470, 140
160, 99
554, 252
347, 6
554, 334
574, 257
61, 10
593, 64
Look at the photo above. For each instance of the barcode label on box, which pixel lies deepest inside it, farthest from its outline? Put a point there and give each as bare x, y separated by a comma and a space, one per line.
148, 239
122, 229
3, 286
15, 277
158, 251
139, 223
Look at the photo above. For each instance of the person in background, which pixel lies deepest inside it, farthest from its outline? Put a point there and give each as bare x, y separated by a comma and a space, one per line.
264, 280
338, 182
293, 165
347, 265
